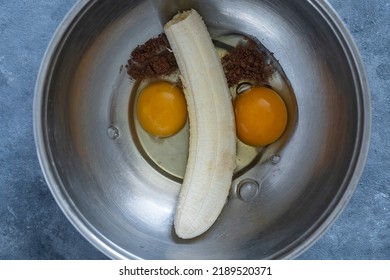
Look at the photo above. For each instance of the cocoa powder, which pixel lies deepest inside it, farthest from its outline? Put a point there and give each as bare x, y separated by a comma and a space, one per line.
155, 59
246, 63
152, 59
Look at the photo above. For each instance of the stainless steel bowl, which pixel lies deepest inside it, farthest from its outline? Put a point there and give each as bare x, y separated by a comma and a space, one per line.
123, 205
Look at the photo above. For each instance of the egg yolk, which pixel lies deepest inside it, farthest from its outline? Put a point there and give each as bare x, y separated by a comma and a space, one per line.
162, 109
261, 116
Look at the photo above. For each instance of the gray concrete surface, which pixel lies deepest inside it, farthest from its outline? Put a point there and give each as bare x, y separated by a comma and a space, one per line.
33, 227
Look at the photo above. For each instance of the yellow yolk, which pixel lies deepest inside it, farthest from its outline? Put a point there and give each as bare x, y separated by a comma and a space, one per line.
162, 109
261, 116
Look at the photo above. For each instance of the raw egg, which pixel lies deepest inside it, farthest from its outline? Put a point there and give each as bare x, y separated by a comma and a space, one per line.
162, 109
261, 116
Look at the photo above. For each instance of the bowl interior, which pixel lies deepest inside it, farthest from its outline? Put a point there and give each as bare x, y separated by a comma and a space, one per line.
124, 206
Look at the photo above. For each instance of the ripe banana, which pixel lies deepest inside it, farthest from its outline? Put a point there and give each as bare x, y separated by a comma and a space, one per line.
212, 144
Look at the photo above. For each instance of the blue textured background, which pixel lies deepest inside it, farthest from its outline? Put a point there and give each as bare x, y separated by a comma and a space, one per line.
33, 227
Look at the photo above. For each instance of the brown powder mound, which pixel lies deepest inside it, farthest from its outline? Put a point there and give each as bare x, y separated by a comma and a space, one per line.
152, 59
155, 59
246, 62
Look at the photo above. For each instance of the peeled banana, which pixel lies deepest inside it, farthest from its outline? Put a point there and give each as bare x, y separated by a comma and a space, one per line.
212, 143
